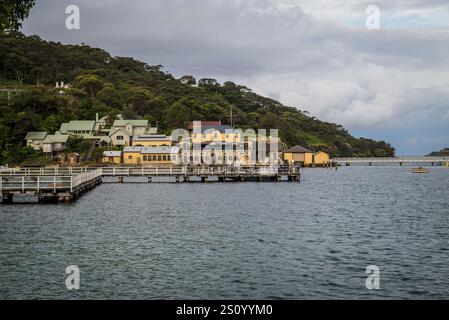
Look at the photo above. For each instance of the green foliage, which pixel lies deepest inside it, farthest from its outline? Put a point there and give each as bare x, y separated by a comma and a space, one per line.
77, 145
91, 84
31, 158
13, 12
110, 96
178, 114
441, 153
111, 85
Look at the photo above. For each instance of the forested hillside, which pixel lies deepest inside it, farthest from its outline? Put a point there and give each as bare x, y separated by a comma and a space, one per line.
110, 85
441, 153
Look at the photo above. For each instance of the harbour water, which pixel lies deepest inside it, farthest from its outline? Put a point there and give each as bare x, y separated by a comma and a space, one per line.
241, 240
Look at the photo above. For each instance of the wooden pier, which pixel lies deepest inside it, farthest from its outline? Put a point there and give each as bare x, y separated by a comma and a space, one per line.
67, 184
391, 161
55, 188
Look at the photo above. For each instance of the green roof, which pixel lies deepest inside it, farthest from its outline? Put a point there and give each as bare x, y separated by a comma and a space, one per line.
36, 135
134, 123
56, 138
87, 125
298, 149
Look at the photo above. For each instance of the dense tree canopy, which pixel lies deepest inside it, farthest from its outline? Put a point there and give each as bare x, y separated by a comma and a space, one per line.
441, 153
110, 85
13, 12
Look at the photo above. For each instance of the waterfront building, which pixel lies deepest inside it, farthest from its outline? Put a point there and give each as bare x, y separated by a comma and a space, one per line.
299, 155
34, 139
320, 159
162, 155
152, 140
54, 144
112, 157
73, 158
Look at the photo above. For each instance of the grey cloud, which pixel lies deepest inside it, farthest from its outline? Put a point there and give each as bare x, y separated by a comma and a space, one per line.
358, 77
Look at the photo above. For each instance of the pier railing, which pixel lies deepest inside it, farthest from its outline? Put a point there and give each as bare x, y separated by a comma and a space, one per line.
418, 159
199, 171
50, 183
216, 170
67, 184
46, 171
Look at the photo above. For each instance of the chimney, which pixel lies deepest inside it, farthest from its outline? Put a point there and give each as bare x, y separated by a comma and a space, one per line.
62, 84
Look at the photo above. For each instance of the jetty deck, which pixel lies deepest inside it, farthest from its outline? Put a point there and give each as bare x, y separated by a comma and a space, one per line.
66, 184
389, 161
55, 188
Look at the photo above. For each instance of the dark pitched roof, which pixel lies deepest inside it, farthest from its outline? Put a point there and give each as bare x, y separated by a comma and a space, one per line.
299, 149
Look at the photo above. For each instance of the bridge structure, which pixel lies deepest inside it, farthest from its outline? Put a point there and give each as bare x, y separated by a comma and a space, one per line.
66, 184
399, 161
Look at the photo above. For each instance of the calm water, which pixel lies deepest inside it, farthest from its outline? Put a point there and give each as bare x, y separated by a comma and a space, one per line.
237, 240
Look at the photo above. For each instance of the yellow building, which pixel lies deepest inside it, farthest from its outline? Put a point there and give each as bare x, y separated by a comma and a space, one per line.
154, 140
213, 132
299, 155
320, 159
112, 157
163, 155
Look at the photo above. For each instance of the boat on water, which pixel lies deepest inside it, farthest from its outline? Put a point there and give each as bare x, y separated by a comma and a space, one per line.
420, 170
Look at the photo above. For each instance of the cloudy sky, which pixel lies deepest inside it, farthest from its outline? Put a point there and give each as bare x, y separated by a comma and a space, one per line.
390, 83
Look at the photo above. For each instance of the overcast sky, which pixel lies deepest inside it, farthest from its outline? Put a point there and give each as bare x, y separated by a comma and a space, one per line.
317, 55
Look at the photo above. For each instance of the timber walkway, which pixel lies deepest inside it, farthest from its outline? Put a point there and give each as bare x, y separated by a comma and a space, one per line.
401, 161
66, 184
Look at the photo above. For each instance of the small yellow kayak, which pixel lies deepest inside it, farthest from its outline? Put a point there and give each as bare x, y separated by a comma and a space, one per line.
420, 170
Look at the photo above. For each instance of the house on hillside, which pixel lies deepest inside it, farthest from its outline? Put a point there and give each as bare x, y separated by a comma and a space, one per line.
133, 127
120, 137
34, 139
81, 128
54, 144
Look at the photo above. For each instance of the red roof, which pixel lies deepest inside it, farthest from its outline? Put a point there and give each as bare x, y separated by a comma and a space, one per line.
207, 124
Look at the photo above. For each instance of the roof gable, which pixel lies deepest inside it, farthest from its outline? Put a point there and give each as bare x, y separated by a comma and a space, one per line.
78, 125
134, 123
113, 132
56, 138
298, 149
36, 135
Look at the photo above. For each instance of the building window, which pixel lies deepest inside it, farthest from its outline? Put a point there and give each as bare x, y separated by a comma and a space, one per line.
170, 158
164, 158
130, 157
119, 137
159, 158
145, 158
